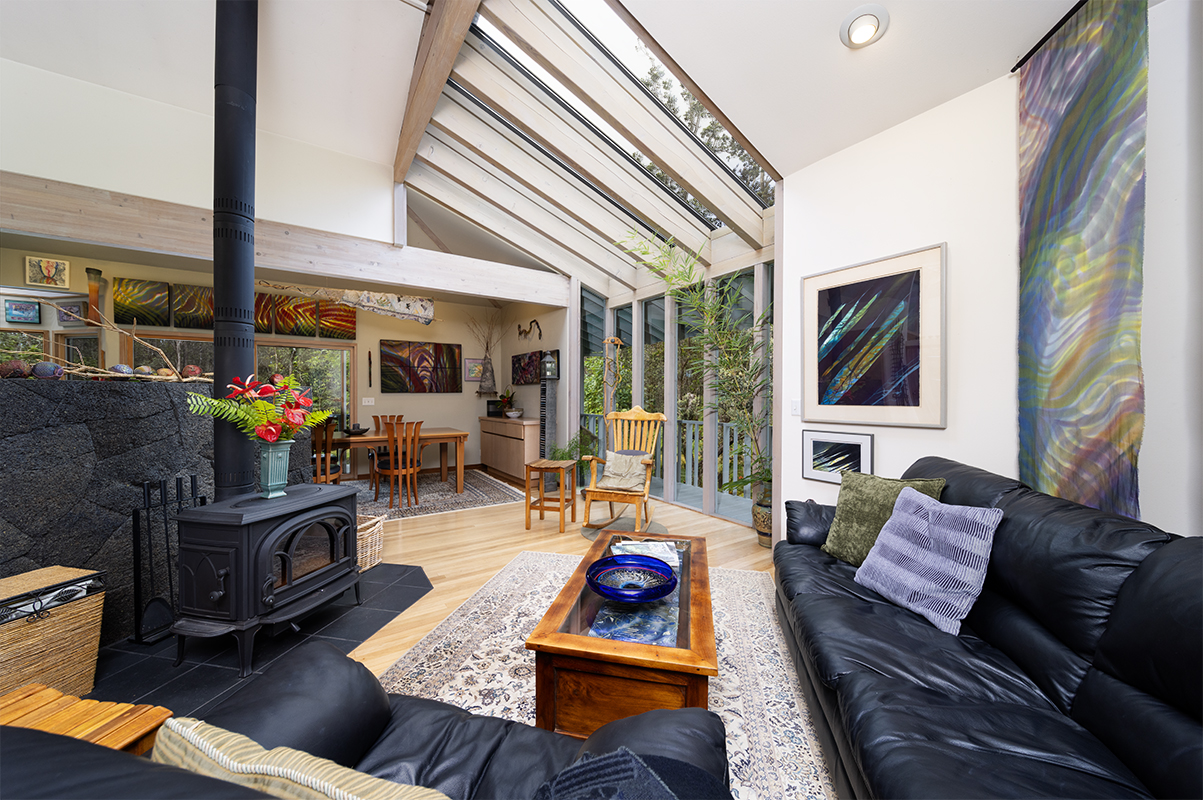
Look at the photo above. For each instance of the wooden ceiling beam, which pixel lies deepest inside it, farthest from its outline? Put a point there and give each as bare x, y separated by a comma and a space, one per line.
442, 36
475, 132
490, 78
63, 211
440, 189
551, 39
487, 183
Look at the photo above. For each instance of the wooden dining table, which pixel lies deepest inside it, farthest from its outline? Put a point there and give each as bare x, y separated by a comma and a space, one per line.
433, 435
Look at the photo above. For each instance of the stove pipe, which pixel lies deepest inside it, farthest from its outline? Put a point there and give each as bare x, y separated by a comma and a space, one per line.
234, 231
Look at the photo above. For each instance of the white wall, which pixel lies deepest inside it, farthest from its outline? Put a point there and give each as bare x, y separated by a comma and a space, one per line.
1171, 458
951, 175
69, 130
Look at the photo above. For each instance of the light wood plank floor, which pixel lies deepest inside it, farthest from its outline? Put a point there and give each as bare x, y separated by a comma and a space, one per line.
461, 550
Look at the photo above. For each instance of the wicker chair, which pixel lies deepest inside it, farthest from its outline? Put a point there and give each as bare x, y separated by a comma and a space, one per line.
632, 432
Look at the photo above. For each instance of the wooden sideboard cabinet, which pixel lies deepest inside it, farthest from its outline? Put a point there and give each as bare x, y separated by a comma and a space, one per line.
506, 445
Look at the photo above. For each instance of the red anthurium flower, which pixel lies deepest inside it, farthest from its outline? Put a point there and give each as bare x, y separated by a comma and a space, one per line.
269, 432
265, 390
294, 416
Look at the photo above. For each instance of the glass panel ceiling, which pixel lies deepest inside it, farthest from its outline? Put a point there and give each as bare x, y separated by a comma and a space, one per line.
613, 34
515, 54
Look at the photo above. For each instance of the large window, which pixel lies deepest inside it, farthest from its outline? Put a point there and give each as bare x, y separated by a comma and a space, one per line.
593, 334
27, 347
623, 331
691, 407
325, 370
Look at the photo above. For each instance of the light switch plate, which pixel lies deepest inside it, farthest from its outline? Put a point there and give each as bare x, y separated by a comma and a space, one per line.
369, 401
795, 408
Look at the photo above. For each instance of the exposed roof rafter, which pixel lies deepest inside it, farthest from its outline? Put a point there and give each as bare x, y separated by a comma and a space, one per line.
575, 60
442, 37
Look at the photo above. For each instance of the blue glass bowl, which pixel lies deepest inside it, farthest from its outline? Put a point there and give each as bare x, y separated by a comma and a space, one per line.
631, 578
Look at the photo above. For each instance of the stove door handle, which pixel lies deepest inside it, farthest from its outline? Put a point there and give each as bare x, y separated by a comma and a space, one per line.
221, 590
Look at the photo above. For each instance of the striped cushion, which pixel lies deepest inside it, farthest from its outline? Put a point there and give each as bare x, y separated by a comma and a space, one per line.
931, 558
283, 772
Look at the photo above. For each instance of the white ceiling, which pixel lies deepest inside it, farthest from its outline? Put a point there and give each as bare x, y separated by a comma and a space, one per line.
332, 73
335, 73
777, 68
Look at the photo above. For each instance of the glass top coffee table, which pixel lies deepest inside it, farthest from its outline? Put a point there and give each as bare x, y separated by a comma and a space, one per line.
598, 661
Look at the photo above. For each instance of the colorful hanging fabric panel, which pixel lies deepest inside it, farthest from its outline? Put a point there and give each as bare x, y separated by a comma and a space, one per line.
1082, 103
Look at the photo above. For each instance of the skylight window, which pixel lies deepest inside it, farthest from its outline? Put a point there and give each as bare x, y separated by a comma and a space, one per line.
598, 19
500, 41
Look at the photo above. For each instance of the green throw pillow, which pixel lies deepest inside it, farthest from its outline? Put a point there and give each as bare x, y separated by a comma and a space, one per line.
864, 505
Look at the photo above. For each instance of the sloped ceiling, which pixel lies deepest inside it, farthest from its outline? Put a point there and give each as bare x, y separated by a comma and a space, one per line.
336, 74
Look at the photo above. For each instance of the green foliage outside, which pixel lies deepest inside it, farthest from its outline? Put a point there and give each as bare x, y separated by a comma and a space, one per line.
325, 372
721, 345
687, 108
18, 345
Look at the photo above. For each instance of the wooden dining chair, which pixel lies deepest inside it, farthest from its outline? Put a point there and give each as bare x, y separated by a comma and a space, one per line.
404, 461
377, 454
327, 466
634, 436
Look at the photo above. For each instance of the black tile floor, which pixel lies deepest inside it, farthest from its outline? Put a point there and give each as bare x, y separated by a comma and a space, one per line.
134, 673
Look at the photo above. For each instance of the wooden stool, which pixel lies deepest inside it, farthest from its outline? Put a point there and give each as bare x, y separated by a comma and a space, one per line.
537, 468
121, 726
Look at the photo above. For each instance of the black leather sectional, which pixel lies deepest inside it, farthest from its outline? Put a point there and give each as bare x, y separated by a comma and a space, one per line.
1077, 673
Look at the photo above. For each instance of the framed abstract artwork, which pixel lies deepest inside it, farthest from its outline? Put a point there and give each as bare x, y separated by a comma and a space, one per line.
47, 272
827, 455
420, 367
474, 368
265, 311
873, 342
525, 368
144, 302
72, 312
296, 316
334, 320
23, 312
192, 306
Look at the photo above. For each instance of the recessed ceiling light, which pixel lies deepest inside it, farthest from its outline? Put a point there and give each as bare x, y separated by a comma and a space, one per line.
864, 26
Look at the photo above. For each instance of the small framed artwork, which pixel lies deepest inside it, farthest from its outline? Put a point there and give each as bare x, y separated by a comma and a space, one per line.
827, 455
474, 368
72, 312
23, 312
873, 342
47, 272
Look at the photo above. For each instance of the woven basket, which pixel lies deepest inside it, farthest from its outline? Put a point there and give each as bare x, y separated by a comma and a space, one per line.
56, 646
370, 541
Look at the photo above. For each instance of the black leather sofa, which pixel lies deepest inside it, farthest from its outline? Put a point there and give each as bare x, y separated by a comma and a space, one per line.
1077, 673
319, 701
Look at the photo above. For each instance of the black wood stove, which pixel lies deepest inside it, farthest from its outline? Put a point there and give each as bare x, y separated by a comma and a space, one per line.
248, 563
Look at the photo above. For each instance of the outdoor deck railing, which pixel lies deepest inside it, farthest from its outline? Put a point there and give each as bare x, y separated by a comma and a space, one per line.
690, 452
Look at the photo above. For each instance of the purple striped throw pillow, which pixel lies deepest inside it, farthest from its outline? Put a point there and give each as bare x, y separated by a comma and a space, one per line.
931, 558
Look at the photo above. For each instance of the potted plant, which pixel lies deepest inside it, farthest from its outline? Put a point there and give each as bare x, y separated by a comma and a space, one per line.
735, 355
268, 413
506, 399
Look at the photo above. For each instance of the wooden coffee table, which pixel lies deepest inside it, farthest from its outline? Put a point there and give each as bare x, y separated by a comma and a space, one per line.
121, 726
582, 682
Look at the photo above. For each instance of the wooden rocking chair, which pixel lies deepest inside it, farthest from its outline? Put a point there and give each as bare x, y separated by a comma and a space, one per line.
633, 432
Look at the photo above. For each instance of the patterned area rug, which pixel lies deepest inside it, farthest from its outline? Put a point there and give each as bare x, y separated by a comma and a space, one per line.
476, 659
437, 497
